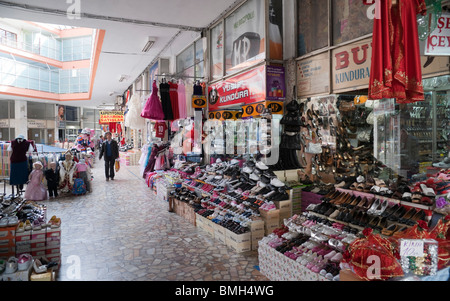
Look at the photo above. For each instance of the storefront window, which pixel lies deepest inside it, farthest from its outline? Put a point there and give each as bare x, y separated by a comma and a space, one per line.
350, 20
276, 30
312, 25
245, 36
190, 61
40, 111
217, 51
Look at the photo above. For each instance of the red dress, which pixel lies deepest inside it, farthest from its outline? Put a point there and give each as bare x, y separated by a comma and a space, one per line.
173, 92
396, 68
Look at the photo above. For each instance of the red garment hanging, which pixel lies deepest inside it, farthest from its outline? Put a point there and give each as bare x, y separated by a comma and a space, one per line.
113, 127
396, 68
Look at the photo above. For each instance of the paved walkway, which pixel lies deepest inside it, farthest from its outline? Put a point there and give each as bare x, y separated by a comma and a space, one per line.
119, 232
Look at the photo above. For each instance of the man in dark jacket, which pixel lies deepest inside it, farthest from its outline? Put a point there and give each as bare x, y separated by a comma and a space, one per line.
109, 150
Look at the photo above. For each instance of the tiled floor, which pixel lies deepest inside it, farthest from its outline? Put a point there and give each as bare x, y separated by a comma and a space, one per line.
118, 232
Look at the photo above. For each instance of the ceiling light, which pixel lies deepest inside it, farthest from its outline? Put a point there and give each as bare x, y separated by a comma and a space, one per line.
149, 44
123, 77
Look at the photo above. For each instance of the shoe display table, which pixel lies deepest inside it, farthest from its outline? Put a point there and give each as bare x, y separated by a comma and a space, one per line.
278, 267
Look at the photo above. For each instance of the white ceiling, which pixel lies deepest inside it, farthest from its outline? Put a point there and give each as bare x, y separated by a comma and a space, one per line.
122, 36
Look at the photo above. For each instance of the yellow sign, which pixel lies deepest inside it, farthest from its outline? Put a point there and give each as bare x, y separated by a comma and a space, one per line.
255, 109
198, 101
111, 116
225, 115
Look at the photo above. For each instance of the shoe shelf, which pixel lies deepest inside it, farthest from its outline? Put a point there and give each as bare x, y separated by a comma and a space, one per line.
390, 200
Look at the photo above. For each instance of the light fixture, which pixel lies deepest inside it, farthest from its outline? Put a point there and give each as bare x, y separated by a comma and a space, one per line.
123, 77
149, 44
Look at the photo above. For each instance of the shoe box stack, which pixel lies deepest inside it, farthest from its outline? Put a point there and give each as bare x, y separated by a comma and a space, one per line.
296, 196
163, 189
278, 267
271, 220
130, 158
239, 243
45, 242
184, 210
7, 242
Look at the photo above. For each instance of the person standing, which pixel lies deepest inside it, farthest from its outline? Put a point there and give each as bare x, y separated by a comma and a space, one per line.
109, 150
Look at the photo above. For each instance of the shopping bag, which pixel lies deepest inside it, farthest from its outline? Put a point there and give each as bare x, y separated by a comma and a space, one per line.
117, 165
79, 187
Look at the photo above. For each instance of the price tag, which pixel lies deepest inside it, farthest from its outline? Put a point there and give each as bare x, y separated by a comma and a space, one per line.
411, 247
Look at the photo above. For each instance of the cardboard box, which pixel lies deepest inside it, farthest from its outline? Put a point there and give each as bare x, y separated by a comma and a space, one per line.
23, 236
53, 242
258, 235
238, 238
7, 233
270, 215
347, 275
37, 245
7, 252
257, 225
240, 247
53, 233
50, 251
48, 276
286, 205
38, 235
220, 237
7, 243
38, 252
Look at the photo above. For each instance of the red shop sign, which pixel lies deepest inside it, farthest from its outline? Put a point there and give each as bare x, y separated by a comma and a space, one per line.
245, 88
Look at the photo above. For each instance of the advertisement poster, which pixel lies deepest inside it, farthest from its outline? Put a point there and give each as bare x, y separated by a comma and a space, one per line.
248, 87
111, 116
438, 42
276, 86
244, 39
61, 117
351, 66
313, 75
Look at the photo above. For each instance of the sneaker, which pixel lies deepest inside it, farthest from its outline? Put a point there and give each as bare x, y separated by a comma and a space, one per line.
24, 262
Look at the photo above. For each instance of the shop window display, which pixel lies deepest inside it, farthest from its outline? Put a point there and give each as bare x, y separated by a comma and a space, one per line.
350, 21
312, 25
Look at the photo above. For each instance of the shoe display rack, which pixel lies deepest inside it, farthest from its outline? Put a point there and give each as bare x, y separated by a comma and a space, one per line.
238, 206
28, 240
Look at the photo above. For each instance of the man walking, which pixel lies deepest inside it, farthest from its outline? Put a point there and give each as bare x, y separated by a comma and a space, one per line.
109, 150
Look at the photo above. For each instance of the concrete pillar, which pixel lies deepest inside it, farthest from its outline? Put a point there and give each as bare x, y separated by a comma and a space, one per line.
21, 119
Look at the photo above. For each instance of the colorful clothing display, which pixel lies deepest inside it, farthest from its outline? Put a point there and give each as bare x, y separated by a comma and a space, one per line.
164, 91
153, 107
182, 100
173, 93
396, 67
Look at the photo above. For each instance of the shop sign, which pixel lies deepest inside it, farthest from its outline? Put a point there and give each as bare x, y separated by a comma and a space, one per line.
313, 75
37, 124
276, 86
198, 101
225, 115
351, 66
111, 116
4, 123
438, 42
255, 110
248, 87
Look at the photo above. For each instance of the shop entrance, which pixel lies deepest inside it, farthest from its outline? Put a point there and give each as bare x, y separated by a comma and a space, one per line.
38, 135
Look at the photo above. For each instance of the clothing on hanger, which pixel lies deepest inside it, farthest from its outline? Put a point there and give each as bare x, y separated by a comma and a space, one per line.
153, 108
164, 91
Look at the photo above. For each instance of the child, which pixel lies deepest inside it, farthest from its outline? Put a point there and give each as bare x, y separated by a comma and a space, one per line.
52, 176
35, 189
84, 173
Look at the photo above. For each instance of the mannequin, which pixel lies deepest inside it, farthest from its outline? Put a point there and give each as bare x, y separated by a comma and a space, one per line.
66, 170
19, 163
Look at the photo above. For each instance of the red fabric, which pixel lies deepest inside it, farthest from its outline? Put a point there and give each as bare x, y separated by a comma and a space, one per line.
113, 127
173, 92
160, 128
396, 68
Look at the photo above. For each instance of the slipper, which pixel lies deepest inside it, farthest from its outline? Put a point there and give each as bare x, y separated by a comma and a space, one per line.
427, 190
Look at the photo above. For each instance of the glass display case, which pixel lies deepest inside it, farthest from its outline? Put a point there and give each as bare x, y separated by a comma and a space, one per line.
413, 139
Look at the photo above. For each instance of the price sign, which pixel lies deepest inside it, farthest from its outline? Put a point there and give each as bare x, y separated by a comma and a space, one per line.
411, 247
